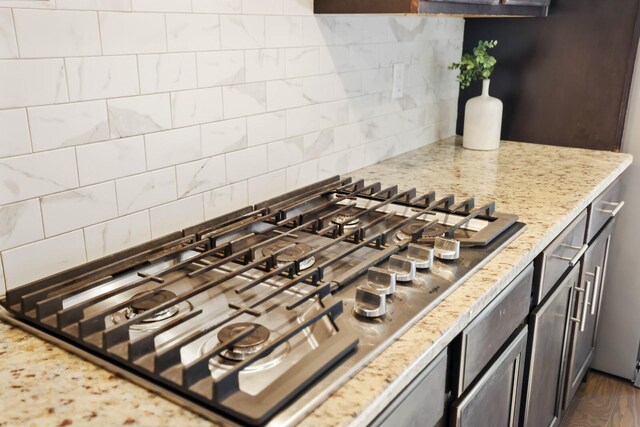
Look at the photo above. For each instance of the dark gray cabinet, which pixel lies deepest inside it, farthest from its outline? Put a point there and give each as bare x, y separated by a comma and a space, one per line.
586, 309
549, 329
423, 403
494, 400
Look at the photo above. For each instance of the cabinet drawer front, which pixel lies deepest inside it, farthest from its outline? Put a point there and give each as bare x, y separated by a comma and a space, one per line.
484, 336
563, 253
422, 403
605, 206
494, 400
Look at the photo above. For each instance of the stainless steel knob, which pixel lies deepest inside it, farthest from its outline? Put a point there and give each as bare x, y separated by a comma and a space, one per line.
422, 255
370, 302
446, 248
382, 280
404, 268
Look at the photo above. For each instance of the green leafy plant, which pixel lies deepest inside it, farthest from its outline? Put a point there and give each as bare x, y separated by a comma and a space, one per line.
477, 66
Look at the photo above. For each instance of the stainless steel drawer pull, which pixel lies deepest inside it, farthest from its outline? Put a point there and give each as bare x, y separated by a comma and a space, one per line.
614, 211
572, 261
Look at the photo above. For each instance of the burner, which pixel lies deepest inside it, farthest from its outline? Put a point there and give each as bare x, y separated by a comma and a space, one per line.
252, 343
427, 236
346, 220
296, 252
147, 300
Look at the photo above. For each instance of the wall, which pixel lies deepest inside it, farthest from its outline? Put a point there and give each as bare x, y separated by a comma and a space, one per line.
619, 329
564, 80
124, 120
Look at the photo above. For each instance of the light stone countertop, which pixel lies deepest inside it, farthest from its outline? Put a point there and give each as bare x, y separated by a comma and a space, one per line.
547, 187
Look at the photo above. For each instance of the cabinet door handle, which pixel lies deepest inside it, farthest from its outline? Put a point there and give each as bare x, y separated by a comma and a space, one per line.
572, 261
596, 288
614, 211
585, 303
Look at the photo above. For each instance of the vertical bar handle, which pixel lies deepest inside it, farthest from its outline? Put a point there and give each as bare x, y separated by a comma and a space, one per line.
596, 289
585, 302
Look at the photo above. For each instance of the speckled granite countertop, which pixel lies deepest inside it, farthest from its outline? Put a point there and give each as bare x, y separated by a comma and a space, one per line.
546, 186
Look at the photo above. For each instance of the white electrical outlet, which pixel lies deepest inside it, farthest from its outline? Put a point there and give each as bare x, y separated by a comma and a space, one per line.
398, 81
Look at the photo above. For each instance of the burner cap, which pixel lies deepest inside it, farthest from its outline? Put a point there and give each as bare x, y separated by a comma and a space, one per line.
146, 301
427, 235
346, 220
297, 251
252, 343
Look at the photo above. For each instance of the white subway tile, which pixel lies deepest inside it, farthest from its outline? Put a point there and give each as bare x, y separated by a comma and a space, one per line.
298, 7
176, 215
22, 4
247, 163
217, 6
146, 190
378, 80
285, 153
283, 31
264, 64
8, 45
302, 61
262, 7
346, 136
102, 77
318, 144
29, 176
161, 5
266, 127
116, 235
139, 114
302, 174
192, 32
166, 72
244, 100
50, 33
112, 159
223, 137
191, 107
355, 157
333, 164
317, 30
173, 147
67, 125
349, 29
124, 33
20, 223
33, 82
315, 117
220, 68
266, 186
77, 208
40, 259
15, 130
225, 199
201, 175
115, 5
242, 31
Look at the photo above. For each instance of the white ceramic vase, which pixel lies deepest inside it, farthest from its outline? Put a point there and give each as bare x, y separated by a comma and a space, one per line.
482, 121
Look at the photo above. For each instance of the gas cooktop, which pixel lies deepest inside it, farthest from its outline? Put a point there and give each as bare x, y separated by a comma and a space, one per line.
257, 316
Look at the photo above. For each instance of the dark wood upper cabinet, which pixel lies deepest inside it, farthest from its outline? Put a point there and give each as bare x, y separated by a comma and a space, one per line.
465, 8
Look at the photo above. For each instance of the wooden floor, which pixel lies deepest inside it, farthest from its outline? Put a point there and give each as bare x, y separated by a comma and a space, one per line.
604, 401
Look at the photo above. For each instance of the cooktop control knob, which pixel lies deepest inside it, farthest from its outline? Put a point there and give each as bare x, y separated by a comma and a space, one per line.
448, 249
382, 280
404, 268
370, 302
422, 255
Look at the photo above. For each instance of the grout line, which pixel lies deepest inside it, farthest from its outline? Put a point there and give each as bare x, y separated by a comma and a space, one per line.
15, 31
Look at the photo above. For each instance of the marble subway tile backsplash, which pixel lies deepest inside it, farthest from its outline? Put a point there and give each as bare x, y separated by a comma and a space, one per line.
124, 120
